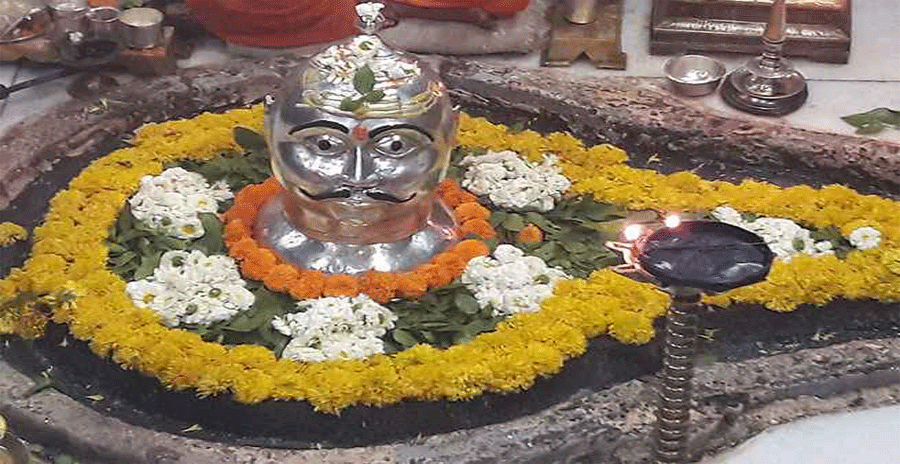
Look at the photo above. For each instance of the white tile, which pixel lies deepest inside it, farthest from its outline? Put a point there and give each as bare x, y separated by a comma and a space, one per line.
828, 102
865, 437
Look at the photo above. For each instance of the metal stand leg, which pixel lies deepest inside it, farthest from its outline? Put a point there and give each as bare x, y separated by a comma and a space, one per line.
673, 411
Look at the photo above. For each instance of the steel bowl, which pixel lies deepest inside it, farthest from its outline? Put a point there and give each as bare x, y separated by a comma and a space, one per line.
104, 20
694, 75
68, 15
141, 27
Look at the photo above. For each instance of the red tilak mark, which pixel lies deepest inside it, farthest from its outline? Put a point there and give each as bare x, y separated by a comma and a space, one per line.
360, 132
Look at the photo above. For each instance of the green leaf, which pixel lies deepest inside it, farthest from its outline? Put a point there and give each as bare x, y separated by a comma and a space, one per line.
115, 248
874, 121
266, 306
541, 222
123, 258
871, 127
149, 263
350, 105
601, 211
374, 96
404, 338
211, 241
248, 139
514, 222
497, 218
466, 303
574, 247
364, 80
126, 220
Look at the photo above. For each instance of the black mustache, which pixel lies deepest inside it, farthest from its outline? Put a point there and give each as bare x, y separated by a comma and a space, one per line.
347, 193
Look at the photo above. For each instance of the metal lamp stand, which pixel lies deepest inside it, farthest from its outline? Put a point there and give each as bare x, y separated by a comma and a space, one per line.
673, 413
768, 85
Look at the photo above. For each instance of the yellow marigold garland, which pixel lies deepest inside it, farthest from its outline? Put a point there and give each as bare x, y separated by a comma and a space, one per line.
11, 233
522, 348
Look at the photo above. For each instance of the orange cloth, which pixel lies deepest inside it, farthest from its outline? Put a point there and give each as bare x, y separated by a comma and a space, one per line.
496, 7
277, 23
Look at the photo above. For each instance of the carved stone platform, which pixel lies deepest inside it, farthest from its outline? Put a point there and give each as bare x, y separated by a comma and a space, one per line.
820, 30
739, 395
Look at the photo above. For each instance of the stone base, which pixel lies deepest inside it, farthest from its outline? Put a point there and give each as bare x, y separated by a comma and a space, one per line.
737, 396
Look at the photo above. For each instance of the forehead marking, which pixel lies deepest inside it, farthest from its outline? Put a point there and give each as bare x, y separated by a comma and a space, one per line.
360, 132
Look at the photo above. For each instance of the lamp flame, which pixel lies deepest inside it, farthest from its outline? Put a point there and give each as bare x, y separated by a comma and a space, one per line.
633, 232
673, 221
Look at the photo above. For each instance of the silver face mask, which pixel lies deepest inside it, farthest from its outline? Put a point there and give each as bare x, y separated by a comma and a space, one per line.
360, 138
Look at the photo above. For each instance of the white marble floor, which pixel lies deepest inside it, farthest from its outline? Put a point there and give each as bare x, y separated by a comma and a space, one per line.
864, 437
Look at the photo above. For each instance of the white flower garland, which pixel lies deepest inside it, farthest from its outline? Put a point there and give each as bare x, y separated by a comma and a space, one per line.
787, 239
335, 328
512, 182
510, 282
192, 288
865, 238
171, 202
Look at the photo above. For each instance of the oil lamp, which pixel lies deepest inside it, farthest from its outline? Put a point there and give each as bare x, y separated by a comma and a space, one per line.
688, 259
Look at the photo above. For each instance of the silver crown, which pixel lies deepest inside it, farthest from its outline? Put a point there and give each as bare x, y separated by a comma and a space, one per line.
366, 78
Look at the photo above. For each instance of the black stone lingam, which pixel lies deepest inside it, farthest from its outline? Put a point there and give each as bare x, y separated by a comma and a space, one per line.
689, 259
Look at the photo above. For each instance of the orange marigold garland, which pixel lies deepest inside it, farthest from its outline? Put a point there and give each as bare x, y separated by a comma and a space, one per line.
259, 263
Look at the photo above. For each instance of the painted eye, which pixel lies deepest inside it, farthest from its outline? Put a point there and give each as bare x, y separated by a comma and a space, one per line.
325, 145
397, 145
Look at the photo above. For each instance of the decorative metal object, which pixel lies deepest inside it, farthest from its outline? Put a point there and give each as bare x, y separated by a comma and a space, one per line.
360, 138
141, 27
694, 75
673, 413
688, 259
599, 38
580, 11
768, 85
818, 29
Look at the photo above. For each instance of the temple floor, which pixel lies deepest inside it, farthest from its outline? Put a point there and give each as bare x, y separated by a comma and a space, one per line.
868, 81
865, 437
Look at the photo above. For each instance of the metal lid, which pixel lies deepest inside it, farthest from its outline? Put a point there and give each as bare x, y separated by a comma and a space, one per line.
706, 255
366, 78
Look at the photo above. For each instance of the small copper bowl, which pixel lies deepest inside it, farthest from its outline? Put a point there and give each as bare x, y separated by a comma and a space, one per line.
694, 75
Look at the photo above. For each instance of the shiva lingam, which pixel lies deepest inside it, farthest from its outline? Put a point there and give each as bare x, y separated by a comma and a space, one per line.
768, 85
688, 259
360, 138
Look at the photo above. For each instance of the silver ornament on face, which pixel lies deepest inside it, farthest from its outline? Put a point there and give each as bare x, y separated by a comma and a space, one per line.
359, 177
